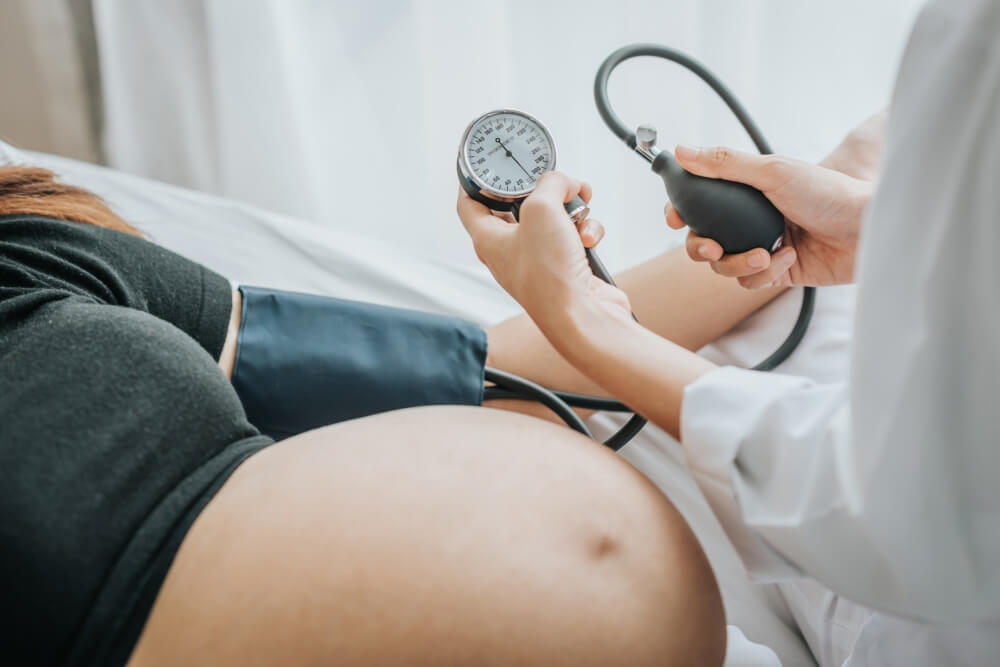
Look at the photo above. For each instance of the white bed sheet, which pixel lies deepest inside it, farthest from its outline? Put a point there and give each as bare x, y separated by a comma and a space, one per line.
253, 246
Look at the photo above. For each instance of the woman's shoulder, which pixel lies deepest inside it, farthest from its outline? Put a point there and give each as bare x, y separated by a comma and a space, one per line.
43, 259
41, 252
45, 231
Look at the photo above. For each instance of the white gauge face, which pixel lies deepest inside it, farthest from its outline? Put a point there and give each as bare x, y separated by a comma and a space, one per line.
506, 152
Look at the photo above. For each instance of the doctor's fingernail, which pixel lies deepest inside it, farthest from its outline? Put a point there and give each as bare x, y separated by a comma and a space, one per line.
785, 260
705, 251
757, 260
683, 152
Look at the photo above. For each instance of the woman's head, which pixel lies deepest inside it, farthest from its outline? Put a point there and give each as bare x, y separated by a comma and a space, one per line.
35, 191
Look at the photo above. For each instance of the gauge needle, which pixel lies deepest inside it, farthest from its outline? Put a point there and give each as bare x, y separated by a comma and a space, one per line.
511, 156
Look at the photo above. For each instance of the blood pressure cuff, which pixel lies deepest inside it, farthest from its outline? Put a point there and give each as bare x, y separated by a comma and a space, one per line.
305, 361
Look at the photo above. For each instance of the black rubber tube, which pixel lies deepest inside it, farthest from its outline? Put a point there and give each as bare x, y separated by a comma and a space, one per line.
622, 131
530, 390
582, 401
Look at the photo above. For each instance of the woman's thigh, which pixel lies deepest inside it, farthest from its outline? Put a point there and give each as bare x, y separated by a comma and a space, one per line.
437, 536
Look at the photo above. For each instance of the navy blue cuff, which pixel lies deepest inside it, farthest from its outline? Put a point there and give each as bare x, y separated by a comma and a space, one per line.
305, 361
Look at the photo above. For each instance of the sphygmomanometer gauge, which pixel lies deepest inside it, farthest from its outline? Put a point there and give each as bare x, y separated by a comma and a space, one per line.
501, 156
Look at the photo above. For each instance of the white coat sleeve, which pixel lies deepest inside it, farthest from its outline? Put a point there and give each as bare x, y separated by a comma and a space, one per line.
887, 489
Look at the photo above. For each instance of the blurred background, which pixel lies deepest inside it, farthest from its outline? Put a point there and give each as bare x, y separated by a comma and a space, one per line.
348, 113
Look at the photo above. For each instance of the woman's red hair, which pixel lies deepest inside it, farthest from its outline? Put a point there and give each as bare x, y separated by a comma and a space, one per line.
35, 191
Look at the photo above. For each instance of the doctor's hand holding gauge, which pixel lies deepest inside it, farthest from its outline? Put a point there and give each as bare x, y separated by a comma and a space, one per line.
884, 488
505, 155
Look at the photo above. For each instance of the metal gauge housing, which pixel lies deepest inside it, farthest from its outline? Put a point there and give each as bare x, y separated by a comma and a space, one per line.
501, 156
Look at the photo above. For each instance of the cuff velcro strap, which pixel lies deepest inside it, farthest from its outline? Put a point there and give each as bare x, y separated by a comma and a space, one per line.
305, 361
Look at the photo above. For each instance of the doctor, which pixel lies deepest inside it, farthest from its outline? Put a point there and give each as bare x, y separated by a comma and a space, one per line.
886, 489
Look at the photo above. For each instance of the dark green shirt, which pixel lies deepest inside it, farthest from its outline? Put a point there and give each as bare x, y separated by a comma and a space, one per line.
116, 427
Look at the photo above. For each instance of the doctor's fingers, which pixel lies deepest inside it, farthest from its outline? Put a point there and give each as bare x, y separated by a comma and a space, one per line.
674, 219
553, 189
472, 215
764, 172
702, 249
699, 248
557, 184
743, 264
591, 232
774, 275
488, 232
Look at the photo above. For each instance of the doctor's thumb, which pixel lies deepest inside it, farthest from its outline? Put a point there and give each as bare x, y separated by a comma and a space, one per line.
763, 172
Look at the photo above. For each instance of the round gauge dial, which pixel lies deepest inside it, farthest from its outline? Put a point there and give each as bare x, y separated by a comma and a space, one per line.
504, 152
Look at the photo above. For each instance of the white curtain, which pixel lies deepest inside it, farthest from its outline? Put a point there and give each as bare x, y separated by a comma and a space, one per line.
349, 112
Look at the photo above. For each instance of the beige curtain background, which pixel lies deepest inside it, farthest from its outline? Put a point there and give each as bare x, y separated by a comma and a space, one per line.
48, 72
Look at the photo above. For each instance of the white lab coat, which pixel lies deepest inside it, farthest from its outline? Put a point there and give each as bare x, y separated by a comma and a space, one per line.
887, 489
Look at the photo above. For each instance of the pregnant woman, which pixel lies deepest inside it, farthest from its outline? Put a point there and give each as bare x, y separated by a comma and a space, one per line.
147, 521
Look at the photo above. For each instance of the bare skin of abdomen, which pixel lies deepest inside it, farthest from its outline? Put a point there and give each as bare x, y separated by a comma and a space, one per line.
437, 536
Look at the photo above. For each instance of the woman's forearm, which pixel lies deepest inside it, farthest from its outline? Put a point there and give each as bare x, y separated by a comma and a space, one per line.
685, 302
227, 358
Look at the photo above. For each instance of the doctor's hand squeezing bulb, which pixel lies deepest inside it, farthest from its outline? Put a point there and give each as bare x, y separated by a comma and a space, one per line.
736, 216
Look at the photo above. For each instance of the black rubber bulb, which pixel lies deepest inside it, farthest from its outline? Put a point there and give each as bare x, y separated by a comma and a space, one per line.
737, 216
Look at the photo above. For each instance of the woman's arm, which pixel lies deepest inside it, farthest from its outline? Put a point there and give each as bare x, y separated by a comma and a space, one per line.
671, 296
227, 360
